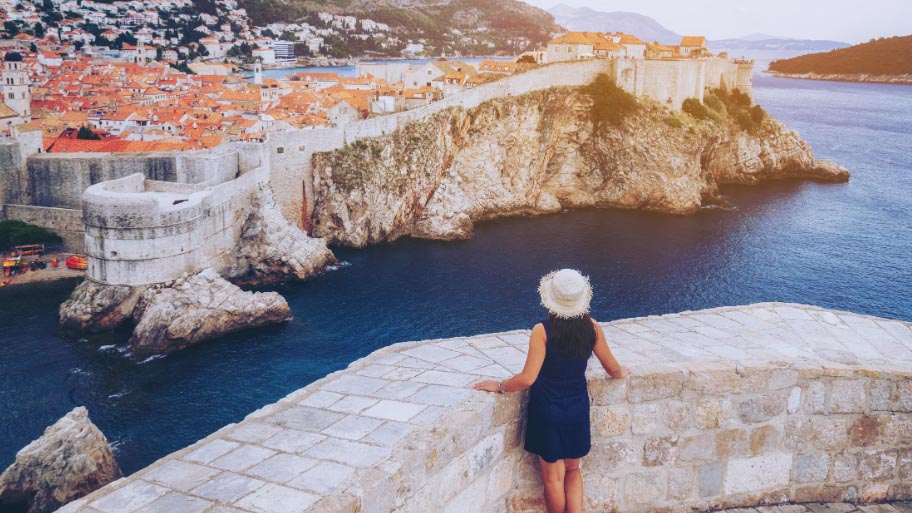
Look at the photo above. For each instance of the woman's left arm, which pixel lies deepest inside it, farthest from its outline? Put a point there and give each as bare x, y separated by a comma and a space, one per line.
529, 374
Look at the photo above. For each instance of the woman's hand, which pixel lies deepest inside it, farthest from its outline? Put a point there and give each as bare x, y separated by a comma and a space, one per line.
623, 373
488, 386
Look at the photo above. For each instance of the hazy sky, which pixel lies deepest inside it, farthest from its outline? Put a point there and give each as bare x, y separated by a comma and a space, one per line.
852, 21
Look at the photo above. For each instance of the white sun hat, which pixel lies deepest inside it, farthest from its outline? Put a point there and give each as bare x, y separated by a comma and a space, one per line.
565, 293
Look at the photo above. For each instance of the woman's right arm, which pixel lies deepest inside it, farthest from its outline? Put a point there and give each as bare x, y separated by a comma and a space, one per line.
603, 353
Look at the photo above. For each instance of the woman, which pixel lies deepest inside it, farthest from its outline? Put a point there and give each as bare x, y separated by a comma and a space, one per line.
557, 424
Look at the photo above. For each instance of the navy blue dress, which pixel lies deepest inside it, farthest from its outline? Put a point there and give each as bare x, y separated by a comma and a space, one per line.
557, 419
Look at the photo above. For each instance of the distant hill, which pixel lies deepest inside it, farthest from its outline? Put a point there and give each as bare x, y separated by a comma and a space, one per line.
767, 42
880, 57
497, 22
590, 20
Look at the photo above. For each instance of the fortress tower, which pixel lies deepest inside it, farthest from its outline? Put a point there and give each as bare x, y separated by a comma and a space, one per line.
744, 77
16, 85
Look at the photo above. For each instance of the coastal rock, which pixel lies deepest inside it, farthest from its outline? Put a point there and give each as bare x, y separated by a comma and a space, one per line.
94, 307
539, 153
201, 306
71, 459
273, 250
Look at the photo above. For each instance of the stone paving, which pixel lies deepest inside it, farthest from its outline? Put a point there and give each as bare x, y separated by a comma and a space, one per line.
309, 451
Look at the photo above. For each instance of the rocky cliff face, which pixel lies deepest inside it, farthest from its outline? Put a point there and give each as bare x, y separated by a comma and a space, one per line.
71, 459
540, 153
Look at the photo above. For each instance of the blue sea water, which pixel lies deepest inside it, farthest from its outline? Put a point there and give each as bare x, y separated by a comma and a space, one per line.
845, 246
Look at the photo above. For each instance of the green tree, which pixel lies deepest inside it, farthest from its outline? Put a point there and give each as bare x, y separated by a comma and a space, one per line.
85, 133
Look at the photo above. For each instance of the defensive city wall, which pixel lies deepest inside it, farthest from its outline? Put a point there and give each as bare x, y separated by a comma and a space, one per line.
132, 237
741, 406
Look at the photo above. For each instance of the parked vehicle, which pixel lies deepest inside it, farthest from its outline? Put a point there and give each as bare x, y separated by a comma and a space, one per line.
77, 262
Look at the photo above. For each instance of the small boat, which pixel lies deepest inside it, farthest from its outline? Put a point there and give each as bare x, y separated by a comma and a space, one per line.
77, 262
5, 282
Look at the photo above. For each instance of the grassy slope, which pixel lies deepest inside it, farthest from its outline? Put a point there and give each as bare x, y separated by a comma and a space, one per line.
889, 56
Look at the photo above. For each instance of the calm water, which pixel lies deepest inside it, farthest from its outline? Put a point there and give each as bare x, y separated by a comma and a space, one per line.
843, 246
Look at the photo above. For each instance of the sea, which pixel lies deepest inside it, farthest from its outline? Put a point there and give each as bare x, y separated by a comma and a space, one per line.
842, 246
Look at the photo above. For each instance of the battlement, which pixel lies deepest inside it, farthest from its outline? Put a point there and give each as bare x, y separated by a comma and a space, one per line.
741, 406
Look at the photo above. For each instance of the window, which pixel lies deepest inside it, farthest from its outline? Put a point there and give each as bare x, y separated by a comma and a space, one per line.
12, 96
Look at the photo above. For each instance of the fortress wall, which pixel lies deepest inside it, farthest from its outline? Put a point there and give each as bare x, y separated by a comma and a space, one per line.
671, 82
58, 179
63, 221
140, 232
736, 406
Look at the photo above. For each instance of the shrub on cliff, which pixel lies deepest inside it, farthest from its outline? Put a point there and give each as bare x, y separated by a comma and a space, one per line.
610, 103
699, 111
15, 233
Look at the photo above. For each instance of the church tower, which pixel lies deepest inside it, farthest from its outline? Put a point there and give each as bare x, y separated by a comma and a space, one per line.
258, 72
17, 93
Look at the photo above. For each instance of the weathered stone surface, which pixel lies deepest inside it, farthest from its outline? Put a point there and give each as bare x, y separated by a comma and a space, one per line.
758, 473
710, 479
847, 396
272, 250
199, 307
764, 439
645, 487
645, 419
94, 307
865, 431
732, 442
760, 409
811, 467
608, 421
657, 385
658, 451
71, 459
706, 415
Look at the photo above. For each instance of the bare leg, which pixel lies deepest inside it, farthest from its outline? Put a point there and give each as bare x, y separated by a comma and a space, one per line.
553, 477
573, 486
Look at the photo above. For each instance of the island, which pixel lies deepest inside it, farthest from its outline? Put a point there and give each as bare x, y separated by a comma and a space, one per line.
884, 60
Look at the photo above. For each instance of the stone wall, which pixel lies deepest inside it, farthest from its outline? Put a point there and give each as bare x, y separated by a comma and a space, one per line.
63, 221
141, 232
58, 179
761, 404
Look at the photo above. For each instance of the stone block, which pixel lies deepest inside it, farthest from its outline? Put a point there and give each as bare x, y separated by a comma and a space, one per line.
732, 442
242, 458
658, 451
274, 498
697, 447
659, 384
508, 408
645, 487
760, 409
793, 403
814, 493
901, 400
874, 492
783, 378
904, 465
845, 468
879, 393
176, 503
609, 420
600, 493
323, 478
865, 431
713, 378
606, 391
877, 465
129, 498
707, 413
645, 419
829, 433
610, 455
764, 439
816, 397
227, 487
847, 395
211, 450
710, 479
677, 416
811, 468
180, 475
757, 474
680, 483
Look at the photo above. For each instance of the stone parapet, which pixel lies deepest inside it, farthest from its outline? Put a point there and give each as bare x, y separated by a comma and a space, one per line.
740, 406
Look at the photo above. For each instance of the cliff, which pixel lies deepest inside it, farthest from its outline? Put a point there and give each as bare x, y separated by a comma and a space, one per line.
71, 459
539, 153
880, 60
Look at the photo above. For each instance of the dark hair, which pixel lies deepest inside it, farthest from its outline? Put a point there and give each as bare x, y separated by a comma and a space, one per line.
574, 337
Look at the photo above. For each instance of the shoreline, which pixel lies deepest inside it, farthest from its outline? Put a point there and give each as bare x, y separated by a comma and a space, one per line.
842, 77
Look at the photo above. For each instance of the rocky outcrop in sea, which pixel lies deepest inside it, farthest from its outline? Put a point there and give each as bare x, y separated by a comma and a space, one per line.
199, 306
848, 77
540, 153
71, 459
